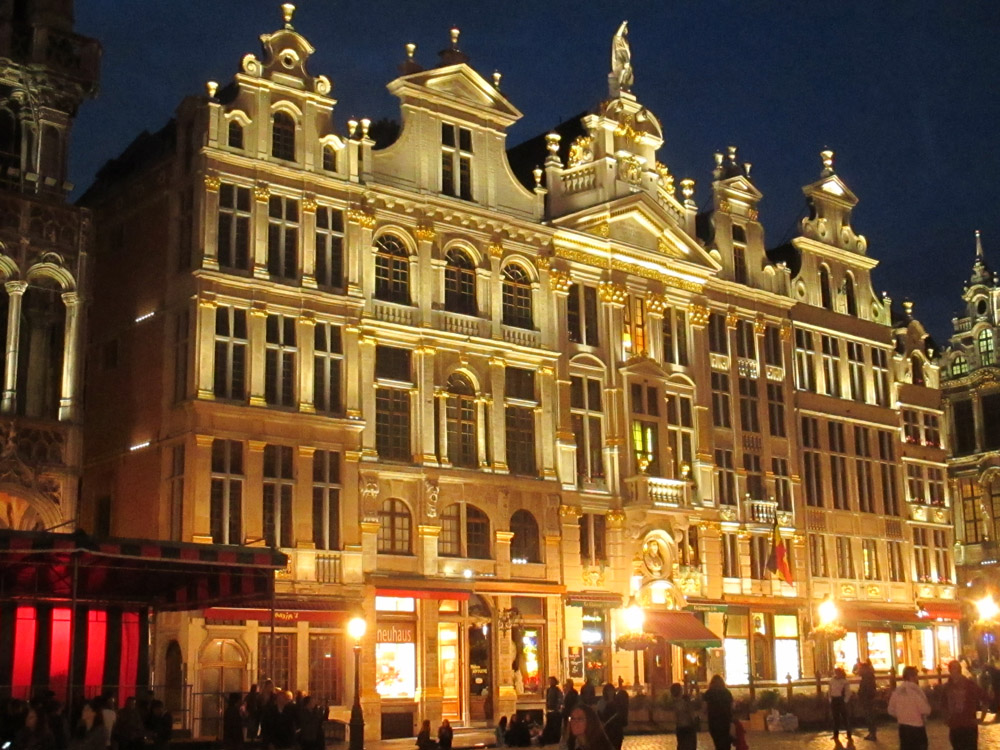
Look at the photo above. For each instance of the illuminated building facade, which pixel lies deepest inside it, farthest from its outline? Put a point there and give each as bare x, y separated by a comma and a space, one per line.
487, 404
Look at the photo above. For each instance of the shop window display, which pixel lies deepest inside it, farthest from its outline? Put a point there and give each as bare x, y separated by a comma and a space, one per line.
396, 670
880, 651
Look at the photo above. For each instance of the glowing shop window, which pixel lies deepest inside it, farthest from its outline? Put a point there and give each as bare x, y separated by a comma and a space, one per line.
927, 649
448, 605
737, 661
528, 661
786, 658
394, 604
845, 652
448, 657
880, 650
947, 643
396, 670
786, 626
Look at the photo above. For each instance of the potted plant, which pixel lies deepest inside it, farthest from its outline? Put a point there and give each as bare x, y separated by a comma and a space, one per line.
762, 706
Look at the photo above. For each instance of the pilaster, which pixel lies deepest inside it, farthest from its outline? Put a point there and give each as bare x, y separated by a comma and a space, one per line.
72, 359
200, 476
262, 196
257, 354
15, 293
498, 427
253, 491
424, 406
305, 327
209, 225
307, 239
204, 348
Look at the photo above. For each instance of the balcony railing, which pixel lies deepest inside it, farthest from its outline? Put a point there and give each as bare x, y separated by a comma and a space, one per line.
760, 511
521, 336
659, 491
391, 312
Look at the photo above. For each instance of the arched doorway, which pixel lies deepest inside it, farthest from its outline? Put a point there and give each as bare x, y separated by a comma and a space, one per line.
222, 670
173, 679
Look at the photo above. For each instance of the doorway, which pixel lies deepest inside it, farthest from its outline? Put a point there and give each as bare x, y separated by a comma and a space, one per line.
222, 671
450, 659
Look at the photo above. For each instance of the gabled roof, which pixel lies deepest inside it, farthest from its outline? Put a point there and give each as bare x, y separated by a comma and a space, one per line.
457, 86
834, 188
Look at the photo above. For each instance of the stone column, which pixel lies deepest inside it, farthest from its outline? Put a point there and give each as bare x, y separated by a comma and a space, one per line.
565, 441
199, 516
482, 417
503, 562
302, 500
545, 421
72, 344
257, 335
505, 702
442, 424
366, 384
422, 274
496, 291
208, 230
305, 328
569, 519
358, 267
253, 491
204, 347
656, 304
498, 428
701, 472
262, 196
427, 548
307, 240
15, 291
423, 367
431, 695
351, 382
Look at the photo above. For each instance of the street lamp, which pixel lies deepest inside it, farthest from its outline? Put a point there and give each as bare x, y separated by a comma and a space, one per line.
356, 629
828, 612
828, 629
634, 639
988, 611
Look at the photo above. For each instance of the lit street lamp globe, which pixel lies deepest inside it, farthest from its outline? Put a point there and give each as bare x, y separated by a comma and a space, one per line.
356, 628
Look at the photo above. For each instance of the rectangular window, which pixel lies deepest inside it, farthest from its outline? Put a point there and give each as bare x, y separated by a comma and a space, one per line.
963, 426
645, 400
749, 418
869, 560
725, 477
581, 315
181, 344
942, 557
915, 484
740, 273
326, 499
759, 550
393, 363
754, 476
718, 334
817, 556
328, 363
175, 492
971, 510
680, 432
776, 410
772, 347
932, 430
233, 249
281, 669
392, 423
845, 558
812, 474
326, 668
279, 488
880, 376
911, 426
805, 373
634, 336
746, 340
329, 247
520, 429
730, 556
856, 370
456, 161
838, 466
226, 502
279, 361
283, 238
897, 573
587, 417
592, 539
935, 486
922, 554
887, 472
519, 383
721, 406
675, 337
864, 470
831, 365
231, 345
782, 483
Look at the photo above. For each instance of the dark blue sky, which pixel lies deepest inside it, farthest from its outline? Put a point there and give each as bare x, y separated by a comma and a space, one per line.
905, 92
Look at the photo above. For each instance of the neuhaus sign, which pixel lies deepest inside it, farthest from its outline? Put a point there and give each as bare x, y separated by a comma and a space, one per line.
394, 633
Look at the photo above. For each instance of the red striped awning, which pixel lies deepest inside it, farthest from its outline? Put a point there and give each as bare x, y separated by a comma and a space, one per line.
681, 629
40, 565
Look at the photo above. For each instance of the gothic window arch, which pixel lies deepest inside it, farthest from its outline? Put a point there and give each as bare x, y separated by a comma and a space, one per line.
283, 136
826, 293
524, 545
395, 529
460, 414
959, 366
392, 270
465, 532
986, 345
40, 352
517, 303
850, 296
459, 282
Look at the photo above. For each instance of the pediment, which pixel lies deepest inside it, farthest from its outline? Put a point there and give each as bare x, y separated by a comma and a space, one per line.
744, 187
458, 84
834, 187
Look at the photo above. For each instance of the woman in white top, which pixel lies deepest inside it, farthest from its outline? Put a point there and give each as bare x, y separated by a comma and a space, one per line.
909, 706
840, 694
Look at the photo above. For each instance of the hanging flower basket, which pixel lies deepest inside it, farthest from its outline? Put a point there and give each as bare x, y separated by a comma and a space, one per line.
832, 631
635, 641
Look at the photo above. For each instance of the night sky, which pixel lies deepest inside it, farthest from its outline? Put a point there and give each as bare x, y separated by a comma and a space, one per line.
905, 93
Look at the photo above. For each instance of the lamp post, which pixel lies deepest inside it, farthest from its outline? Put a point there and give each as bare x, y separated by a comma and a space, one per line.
829, 628
356, 629
635, 618
988, 611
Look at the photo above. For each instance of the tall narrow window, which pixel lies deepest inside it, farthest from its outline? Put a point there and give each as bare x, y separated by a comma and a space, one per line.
329, 159
593, 549
772, 347
870, 569
718, 334
279, 488
897, 571
812, 474
721, 400
776, 410
758, 557
634, 319
805, 373
279, 361
230, 353
524, 545
825, 291
283, 238
456, 161
942, 557
818, 564
730, 556
461, 420
922, 554
646, 428
850, 297
864, 472
283, 136
746, 340
392, 403
392, 270
459, 283
856, 370
831, 365
680, 433
465, 532
477, 533
749, 418
226, 502
326, 500
740, 273
754, 476
233, 248
838, 465
235, 135
675, 337
880, 376
516, 297
887, 473
328, 363
581, 315
329, 247
725, 477
984, 342
395, 528
782, 483
969, 490
520, 421
845, 558
587, 416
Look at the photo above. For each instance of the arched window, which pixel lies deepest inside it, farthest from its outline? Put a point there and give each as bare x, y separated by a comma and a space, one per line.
984, 341
826, 294
329, 159
459, 283
40, 360
516, 297
850, 296
465, 532
392, 270
235, 134
959, 366
283, 136
461, 419
524, 544
395, 526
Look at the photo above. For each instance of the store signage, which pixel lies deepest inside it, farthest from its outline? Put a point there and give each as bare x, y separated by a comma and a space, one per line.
697, 607
395, 632
281, 616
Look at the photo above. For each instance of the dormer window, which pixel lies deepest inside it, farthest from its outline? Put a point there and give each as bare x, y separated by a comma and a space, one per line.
329, 159
826, 294
959, 366
235, 135
850, 296
283, 136
981, 306
456, 161
984, 342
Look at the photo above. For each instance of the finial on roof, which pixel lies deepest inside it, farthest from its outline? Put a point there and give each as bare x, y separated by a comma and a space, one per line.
496, 79
411, 49
352, 126
979, 245
454, 37
718, 158
746, 168
211, 87
537, 174
687, 190
287, 11
908, 308
452, 55
365, 125
622, 77
552, 140
827, 156
732, 154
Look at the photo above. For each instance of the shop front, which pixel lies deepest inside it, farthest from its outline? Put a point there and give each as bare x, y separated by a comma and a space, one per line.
589, 645
679, 653
761, 644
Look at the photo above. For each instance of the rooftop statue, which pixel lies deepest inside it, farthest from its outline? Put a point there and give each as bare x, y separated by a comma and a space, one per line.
621, 61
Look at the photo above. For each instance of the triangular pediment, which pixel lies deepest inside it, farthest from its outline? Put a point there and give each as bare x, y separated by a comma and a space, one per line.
833, 187
743, 187
458, 85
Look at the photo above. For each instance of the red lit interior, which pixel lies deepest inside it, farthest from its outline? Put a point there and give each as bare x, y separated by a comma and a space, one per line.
59, 657
97, 631
24, 651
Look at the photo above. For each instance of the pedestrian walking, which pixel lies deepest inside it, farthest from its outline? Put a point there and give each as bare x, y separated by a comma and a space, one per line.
621, 705
962, 702
553, 715
909, 706
719, 702
35, 734
867, 692
686, 720
839, 693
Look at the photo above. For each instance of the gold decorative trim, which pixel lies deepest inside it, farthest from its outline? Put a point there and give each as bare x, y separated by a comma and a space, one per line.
656, 304
612, 293
570, 511
543, 262
759, 325
364, 218
425, 232
495, 250
262, 191
309, 205
615, 518
212, 183
635, 269
786, 330
698, 314
731, 319
560, 282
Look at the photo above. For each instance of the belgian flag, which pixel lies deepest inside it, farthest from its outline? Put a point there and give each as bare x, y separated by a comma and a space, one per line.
777, 561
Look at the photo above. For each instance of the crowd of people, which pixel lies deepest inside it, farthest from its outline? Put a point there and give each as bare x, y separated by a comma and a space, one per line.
97, 724
274, 718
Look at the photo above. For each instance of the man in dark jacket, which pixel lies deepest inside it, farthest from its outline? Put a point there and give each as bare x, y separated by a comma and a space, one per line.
570, 699
553, 718
962, 698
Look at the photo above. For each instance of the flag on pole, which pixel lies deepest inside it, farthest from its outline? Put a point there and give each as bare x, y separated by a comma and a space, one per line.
777, 561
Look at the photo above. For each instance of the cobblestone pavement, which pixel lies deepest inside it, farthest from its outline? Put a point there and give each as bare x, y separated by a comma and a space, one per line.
888, 739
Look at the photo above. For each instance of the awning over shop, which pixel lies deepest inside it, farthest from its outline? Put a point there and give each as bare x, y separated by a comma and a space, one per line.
592, 599
888, 617
455, 594
41, 565
943, 610
681, 629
